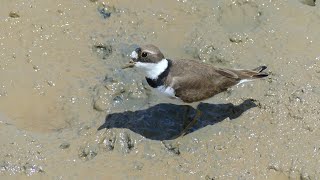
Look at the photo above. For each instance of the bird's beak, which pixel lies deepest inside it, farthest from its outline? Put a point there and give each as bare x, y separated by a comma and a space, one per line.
134, 57
129, 65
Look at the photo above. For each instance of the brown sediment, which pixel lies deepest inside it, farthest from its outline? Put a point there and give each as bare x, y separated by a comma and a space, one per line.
69, 111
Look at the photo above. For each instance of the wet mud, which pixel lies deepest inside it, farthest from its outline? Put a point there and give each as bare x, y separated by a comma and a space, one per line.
69, 111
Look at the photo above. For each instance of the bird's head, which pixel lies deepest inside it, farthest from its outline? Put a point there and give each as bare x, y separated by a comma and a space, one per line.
145, 54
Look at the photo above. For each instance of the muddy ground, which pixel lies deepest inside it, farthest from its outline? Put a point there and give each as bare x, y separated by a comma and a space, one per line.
68, 110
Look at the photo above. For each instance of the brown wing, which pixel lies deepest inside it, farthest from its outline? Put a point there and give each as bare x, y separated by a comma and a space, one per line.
195, 81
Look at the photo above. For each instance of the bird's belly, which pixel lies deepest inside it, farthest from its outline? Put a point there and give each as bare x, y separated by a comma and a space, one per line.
167, 90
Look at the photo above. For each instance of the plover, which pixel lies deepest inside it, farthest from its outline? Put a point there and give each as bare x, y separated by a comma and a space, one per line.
188, 80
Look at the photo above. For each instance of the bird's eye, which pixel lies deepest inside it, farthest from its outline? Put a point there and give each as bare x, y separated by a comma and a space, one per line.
144, 54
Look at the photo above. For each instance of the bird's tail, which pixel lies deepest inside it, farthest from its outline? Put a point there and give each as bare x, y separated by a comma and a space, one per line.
253, 73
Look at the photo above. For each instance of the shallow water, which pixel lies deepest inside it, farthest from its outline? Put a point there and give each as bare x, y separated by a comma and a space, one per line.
68, 110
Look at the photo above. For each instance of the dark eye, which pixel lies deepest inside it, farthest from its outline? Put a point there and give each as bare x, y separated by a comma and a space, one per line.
144, 54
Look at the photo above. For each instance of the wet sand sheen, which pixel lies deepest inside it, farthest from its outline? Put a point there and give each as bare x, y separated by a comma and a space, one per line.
61, 80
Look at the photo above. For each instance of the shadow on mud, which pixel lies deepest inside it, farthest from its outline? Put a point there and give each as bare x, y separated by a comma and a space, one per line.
166, 121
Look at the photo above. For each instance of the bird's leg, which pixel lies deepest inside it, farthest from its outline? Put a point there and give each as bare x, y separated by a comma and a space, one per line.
193, 122
185, 116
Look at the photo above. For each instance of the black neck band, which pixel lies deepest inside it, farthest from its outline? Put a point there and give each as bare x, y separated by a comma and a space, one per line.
161, 78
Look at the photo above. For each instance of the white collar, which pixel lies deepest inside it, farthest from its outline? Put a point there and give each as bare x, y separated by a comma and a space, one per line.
153, 70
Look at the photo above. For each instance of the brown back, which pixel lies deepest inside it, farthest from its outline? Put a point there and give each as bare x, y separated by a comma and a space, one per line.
196, 81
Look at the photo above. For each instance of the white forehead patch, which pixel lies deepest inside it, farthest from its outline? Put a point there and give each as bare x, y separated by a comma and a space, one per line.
134, 55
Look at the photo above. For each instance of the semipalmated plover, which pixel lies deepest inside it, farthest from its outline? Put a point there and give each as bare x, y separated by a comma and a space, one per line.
188, 80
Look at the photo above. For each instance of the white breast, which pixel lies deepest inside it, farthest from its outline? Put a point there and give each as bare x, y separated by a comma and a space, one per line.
167, 90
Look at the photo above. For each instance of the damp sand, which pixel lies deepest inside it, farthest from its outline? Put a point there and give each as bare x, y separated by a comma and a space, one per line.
69, 111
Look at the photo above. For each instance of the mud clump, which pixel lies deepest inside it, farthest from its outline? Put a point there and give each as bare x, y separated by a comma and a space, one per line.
119, 94
105, 11
13, 14
30, 169
102, 50
64, 145
238, 37
109, 93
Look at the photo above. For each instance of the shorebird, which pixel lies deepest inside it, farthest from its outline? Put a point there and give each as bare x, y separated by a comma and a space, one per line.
188, 80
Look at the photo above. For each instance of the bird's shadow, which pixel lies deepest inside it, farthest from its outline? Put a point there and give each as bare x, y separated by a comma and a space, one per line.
166, 121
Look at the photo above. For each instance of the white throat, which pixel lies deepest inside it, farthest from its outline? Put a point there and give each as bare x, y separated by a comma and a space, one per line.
153, 70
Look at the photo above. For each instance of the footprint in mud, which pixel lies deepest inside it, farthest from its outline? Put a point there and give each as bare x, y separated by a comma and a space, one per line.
125, 142
14, 168
108, 140
88, 152
239, 16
